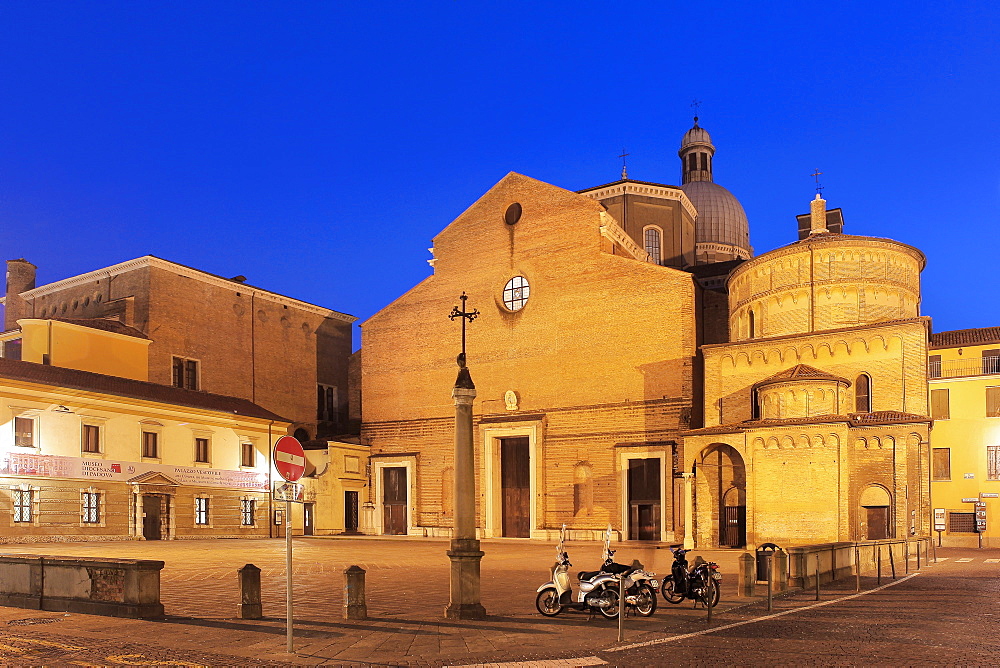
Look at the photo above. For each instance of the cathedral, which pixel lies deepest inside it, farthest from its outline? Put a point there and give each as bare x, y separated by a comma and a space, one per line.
638, 366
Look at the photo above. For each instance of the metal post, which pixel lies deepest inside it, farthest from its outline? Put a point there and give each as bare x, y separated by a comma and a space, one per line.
289, 641
918, 555
710, 596
878, 562
892, 562
857, 567
934, 547
621, 608
906, 554
817, 576
770, 579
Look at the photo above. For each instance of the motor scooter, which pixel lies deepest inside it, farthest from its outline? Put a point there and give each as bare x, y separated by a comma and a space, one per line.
596, 590
700, 584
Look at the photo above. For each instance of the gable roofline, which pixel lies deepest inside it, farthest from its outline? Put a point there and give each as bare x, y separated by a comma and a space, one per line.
62, 378
978, 336
151, 261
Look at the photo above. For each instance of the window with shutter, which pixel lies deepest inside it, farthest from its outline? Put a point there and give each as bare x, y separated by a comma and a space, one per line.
24, 432
939, 405
941, 464
993, 462
993, 402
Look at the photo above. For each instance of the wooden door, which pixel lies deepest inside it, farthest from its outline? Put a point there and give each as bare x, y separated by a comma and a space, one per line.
350, 511
878, 522
151, 517
515, 484
394, 497
644, 499
308, 518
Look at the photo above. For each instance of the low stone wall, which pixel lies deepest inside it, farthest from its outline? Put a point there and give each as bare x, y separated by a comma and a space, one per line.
113, 587
837, 560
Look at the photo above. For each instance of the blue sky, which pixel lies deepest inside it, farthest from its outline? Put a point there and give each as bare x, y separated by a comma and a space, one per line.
317, 148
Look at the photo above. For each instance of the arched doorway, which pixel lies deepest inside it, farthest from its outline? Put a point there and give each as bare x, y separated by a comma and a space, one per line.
875, 516
724, 476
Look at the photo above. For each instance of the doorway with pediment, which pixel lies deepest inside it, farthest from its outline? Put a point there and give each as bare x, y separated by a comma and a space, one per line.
153, 495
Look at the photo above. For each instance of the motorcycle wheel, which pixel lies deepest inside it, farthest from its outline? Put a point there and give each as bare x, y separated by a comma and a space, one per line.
710, 594
667, 590
547, 602
645, 601
612, 607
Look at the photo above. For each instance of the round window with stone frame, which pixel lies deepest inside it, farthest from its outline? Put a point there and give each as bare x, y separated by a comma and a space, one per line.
515, 293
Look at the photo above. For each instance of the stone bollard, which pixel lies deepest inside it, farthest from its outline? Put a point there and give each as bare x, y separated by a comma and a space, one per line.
354, 593
748, 574
249, 605
780, 570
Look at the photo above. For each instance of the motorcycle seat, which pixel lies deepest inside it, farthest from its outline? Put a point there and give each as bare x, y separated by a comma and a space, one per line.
587, 575
618, 569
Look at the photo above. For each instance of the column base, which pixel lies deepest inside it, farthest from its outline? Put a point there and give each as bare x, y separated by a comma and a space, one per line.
464, 602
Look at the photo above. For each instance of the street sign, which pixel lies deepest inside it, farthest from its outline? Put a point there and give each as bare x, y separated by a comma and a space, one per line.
981, 517
974, 499
288, 491
989, 495
289, 458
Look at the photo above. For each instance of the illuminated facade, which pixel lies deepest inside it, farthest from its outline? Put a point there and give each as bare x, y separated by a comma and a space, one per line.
964, 370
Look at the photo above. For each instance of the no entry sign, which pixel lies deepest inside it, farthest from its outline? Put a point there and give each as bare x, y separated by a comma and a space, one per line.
289, 458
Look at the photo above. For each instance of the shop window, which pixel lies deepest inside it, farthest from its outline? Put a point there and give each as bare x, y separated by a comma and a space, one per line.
961, 522
940, 409
941, 464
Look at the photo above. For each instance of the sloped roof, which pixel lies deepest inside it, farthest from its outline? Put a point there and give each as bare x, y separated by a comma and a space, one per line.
965, 337
801, 372
852, 420
105, 324
59, 377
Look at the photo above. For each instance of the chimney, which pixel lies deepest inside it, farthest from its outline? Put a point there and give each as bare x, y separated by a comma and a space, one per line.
20, 278
817, 216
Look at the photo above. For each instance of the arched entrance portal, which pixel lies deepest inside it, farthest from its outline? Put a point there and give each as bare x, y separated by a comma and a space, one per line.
724, 475
875, 516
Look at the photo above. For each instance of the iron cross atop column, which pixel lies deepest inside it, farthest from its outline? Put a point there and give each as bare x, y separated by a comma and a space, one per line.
464, 315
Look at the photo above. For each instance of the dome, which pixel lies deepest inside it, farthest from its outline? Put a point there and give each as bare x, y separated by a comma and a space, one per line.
721, 219
696, 135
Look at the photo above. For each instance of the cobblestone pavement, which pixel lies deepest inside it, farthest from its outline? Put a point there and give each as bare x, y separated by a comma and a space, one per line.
407, 587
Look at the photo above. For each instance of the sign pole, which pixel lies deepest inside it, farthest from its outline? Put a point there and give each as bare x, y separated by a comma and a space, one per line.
289, 639
290, 461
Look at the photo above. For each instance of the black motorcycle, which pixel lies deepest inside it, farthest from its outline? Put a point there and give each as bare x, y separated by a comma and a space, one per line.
700, 584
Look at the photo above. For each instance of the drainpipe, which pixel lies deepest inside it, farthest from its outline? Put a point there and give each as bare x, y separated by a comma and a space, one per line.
270, 495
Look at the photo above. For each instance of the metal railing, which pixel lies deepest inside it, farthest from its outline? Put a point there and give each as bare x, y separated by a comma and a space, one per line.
979, 366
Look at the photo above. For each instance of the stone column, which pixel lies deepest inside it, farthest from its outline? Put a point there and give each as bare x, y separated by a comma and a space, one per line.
465, 554
688, 511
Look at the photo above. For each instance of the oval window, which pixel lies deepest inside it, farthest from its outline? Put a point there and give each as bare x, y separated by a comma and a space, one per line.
513, 214
515, 293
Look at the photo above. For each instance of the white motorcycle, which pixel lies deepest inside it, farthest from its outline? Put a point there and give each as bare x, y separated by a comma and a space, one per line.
597, 590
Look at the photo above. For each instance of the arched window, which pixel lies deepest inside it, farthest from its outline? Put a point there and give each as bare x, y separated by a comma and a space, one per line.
752, 324
863, 394
651, 239
693, 161
704, 161
755, 412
